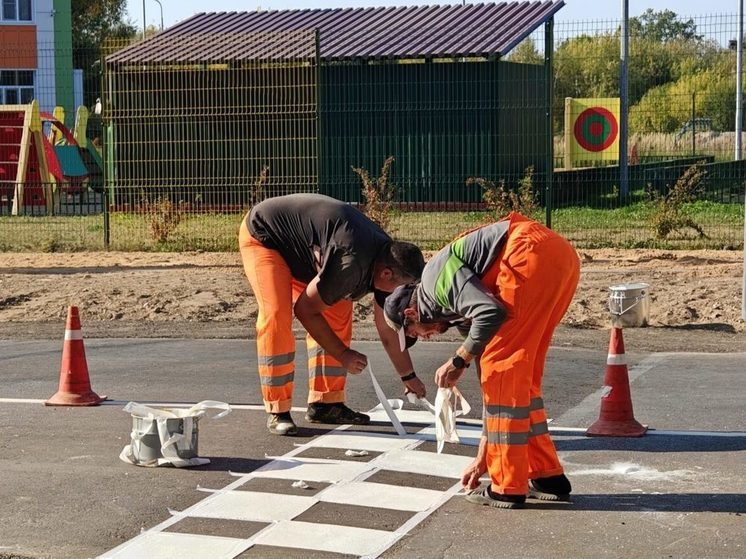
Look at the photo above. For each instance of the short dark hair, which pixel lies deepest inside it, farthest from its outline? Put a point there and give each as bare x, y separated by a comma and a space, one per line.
404, 259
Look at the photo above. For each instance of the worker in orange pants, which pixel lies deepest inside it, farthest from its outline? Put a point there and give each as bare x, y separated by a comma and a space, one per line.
506, 286
311, 256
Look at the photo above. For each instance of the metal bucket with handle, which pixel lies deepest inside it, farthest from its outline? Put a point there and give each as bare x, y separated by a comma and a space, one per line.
629, 305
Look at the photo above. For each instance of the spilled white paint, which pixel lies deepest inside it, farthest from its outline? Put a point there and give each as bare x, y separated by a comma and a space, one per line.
635, 471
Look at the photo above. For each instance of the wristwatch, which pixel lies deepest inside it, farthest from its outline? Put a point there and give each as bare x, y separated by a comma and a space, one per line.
459, 362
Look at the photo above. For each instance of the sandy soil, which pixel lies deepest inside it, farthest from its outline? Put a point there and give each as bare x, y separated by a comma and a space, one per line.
203, 294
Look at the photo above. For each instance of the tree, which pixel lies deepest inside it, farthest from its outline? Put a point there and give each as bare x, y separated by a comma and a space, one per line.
662, 27
526, 53
93, 23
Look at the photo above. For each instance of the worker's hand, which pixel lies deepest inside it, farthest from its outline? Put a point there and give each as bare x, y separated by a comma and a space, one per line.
447, 375
470, 476
416, 386
353, 361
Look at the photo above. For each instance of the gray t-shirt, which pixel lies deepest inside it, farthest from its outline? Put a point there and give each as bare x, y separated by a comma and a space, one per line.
451, 289
319, 235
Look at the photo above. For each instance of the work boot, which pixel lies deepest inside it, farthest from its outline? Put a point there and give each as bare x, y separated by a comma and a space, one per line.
485, 496
281, 424
552, 488
336, 414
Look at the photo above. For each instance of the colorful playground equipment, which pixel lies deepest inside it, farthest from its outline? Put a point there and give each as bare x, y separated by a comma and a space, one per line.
38, 169
24, 175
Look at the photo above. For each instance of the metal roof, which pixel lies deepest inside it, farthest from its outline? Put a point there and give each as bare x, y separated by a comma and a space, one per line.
345, 33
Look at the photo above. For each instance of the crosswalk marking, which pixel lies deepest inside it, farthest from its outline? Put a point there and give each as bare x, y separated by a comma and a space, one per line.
325, 537
417, 462
252, 506
380, 495
348, 486
165, 545
309, 469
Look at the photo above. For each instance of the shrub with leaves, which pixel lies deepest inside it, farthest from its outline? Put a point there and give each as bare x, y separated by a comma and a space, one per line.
163, 216
668, 214
501, 199
258, 190
379, 194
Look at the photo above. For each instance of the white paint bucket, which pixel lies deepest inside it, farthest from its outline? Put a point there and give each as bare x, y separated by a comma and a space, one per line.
629, 305
148, 442
167, 435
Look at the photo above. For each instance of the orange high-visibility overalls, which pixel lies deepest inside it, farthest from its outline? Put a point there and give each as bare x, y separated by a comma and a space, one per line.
276, 292
535, 277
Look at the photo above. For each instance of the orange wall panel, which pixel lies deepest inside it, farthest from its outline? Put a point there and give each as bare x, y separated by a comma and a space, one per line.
18, 46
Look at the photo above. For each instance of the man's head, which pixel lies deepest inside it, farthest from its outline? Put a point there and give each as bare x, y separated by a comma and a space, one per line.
402, 315
398, 264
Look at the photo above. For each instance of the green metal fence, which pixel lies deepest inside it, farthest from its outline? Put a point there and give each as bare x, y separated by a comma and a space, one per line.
186, 147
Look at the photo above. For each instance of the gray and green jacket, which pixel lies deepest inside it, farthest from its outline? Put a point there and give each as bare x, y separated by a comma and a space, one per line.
451, 289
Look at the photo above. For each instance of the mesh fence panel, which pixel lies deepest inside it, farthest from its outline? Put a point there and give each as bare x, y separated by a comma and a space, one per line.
193, 130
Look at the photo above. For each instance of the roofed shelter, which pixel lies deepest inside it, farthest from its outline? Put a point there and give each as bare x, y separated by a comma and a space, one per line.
305, 95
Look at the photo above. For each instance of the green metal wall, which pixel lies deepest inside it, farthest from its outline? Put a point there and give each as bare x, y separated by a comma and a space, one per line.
443, 122
209, 131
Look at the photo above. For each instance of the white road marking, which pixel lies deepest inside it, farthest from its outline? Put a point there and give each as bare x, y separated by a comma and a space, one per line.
419, 462
380, 495
325, 537
168, 545
252, 506
277, 508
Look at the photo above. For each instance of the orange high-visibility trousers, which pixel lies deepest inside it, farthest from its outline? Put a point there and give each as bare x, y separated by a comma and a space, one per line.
276, 291
535, 278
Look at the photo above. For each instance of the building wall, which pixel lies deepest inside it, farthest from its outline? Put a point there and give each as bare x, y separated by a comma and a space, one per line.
45, 74
44, 46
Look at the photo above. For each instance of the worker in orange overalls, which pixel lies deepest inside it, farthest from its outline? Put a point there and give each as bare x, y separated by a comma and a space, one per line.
506, 286
312, 256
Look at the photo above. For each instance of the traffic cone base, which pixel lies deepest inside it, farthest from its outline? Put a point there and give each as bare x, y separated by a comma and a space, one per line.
75, 386
616, 418
629, 428
72, 399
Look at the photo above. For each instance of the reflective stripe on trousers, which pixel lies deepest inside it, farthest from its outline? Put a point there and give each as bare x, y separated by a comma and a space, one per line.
535, 278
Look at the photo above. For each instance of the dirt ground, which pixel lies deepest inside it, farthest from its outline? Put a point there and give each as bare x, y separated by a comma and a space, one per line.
693, 295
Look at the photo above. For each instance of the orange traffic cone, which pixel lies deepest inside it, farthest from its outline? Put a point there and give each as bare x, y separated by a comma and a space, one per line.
75, 386
616, 418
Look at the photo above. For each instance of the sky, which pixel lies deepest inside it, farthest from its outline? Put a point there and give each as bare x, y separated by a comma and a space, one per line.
574, 10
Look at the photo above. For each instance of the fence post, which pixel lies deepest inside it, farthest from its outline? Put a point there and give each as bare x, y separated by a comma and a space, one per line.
694, 126
624, 104
549, 91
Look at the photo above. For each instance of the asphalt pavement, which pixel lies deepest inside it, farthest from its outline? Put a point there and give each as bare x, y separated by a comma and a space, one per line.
677, 492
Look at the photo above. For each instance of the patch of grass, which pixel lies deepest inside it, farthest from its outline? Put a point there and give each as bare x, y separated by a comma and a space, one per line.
624, 227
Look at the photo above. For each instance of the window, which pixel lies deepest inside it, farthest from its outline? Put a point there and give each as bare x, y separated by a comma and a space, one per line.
16, 10
16, 87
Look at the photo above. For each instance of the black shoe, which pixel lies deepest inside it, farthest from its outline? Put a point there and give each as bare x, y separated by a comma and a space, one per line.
336, 414
281, 424
552, 488
484, 496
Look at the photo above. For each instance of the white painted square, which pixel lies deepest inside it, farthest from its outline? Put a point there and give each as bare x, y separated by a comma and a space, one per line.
381, 495
169, 545
468, 434
252, 505
307, 469
419, 462
325, 537
362, 441
417, 417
